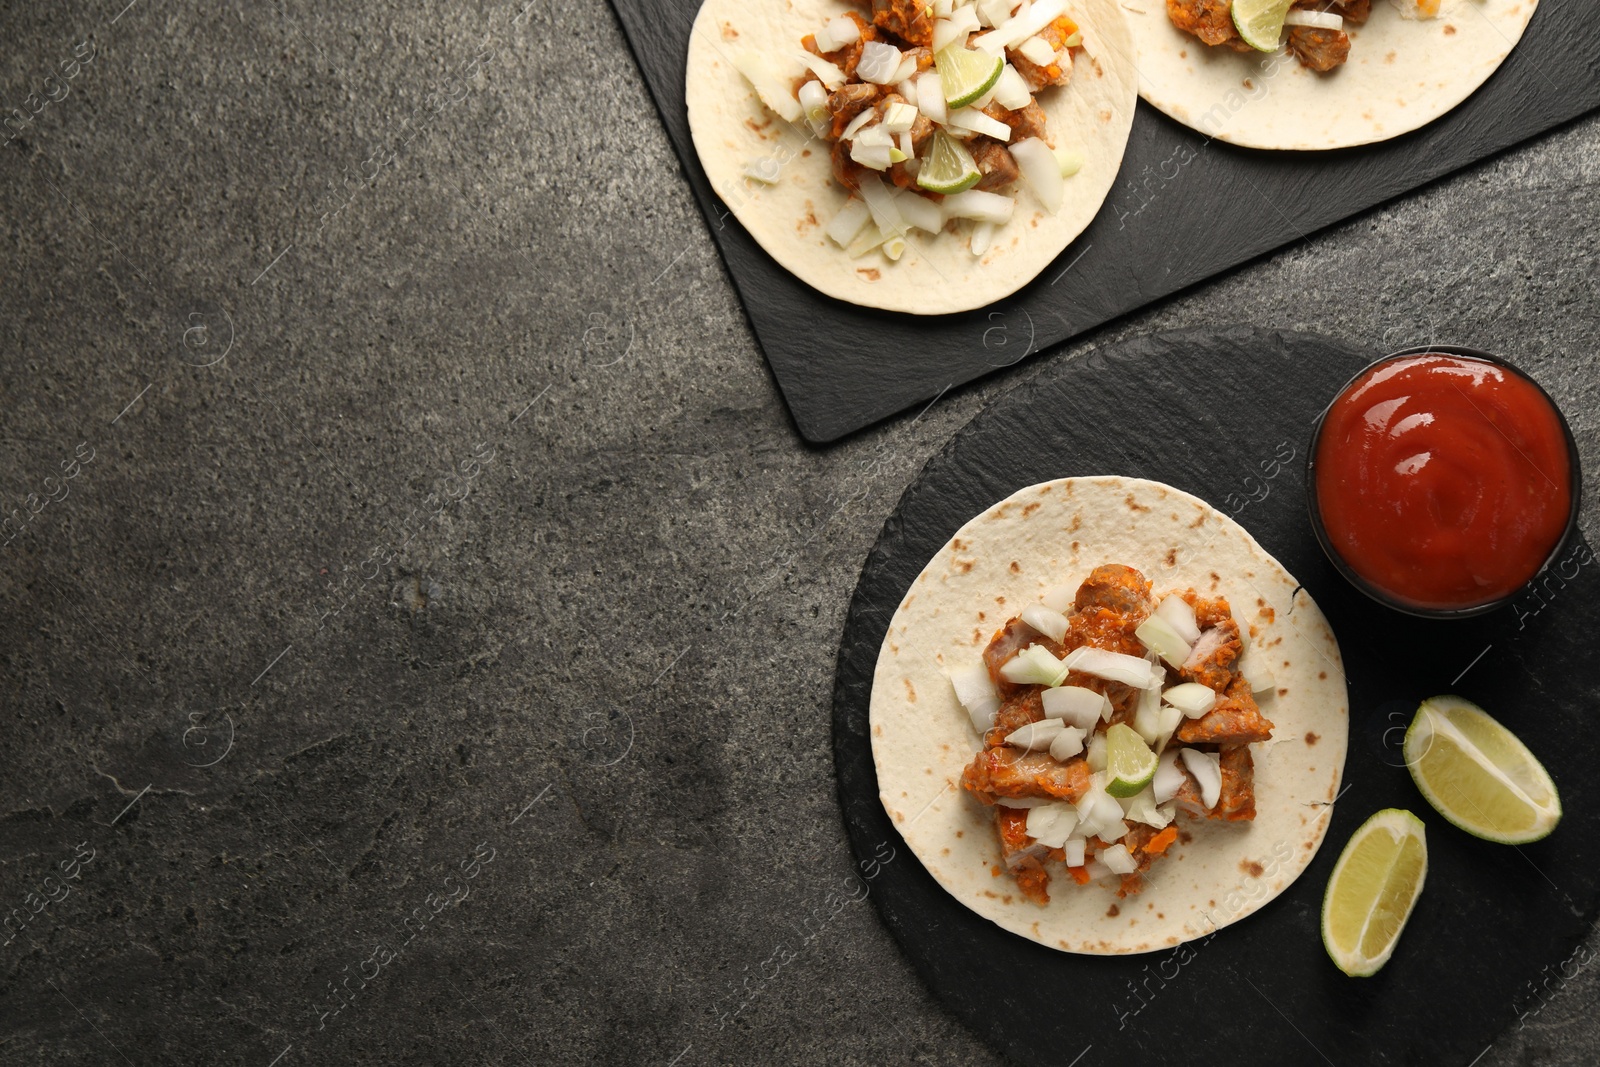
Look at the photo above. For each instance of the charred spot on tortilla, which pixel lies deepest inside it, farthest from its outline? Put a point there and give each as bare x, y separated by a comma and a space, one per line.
1311, 735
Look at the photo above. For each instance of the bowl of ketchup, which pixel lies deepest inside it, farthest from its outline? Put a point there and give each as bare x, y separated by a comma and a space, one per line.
1442, 480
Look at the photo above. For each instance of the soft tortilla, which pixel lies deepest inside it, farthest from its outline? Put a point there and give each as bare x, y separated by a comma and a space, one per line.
1052, 534
938, 273
1402, 74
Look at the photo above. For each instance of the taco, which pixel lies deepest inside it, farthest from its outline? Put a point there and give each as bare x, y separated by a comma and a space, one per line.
1070, 618
918, 157
1346, 72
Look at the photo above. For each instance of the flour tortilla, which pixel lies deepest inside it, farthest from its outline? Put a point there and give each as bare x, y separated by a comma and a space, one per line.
1051, 534
1402, 74
938, 274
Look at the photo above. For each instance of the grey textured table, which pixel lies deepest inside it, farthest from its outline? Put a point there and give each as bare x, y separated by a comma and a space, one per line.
419, 639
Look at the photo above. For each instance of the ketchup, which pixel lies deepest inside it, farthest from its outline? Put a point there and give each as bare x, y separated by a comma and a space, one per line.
1443, 480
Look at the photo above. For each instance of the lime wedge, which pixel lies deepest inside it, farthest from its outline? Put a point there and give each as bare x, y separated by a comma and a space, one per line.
1260, 22
1130, 765
1372, 890
966, 74
949, 167
1478, 774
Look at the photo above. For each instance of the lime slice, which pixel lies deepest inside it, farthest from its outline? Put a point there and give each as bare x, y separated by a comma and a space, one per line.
1478, 775
1372, 890
1130, 765
1260, 22
949, 167
966, 74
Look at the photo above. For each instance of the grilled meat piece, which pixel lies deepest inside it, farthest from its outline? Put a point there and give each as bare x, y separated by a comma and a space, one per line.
1233, 720
1115, 587
1012, 638
1023, 856
906, 19
1025, 707
849, 101
1321, 50
1026, 121
1010, 772
994, 162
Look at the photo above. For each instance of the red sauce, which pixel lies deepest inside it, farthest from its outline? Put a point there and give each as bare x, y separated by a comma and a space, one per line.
1443, 481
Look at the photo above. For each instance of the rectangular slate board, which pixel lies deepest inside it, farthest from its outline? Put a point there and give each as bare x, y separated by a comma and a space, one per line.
842, 367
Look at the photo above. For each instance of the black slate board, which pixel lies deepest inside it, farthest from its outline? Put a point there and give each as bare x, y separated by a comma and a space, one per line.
1175, 216
1495, 925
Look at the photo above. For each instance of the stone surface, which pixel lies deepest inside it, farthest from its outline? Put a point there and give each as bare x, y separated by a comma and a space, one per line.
445, 544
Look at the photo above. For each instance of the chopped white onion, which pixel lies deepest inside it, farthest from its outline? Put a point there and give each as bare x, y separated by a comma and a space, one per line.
1074, 850
830, 73
1011, 92
1118, 859
1207, 770
970, 118
1160, 637
1068, 743
856, 124
894, 247
979, 205
908, 90
971, 683
1169, 777
1034, 665
1097, 752
1023, 802
881, 203
1096, 869
1170, 718
1052, 824
1256, 674
930, 96
1052, 624
876, 135
814, 102
837, 33
1014, 31
908, 149
1059, 598
875, 156
1191, 698
994, 12
1112, 666
773, 93
1035, 736
1080, 707
1142, 808
1038, 51
898, 117
919, 211
942, 8
946, 33
1147, 718
1180, 616
906, 69
879, 62
1041, 171
869, 238
982, 237
1071, 162
1319, 20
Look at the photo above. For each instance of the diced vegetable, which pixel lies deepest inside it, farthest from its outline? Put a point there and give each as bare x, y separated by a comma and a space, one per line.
982, 237
1068, 743
1160, 637
830, 73
885, 212
907, 67
1022, 802
1074, 849
1071, 162
920, 212
857, 124
773, 93
1034, 665
1142, 808
1207, 770
1112, 666
869, 238
1052, 624
898, 117
879, 62
1256, 674
764, 170
970, 118
814, 102
994, 12
1118, 859
1011, 91
1191, 698
876, 156
1015, 30
1038, 51
1169, 778
1170, 718
1097, 752
1320, 20
930, 96
1059, 598
1035, 736
1041, 171
1075, 705
1052, 824
979, 205
894, 247
1147, 717
971, 682
836, 34
1180, 616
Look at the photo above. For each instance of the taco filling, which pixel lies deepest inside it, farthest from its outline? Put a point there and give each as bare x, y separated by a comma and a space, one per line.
1314, 31
929, 112
1107, 714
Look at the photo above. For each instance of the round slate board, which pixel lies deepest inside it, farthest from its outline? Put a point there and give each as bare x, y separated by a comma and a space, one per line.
1497, 927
